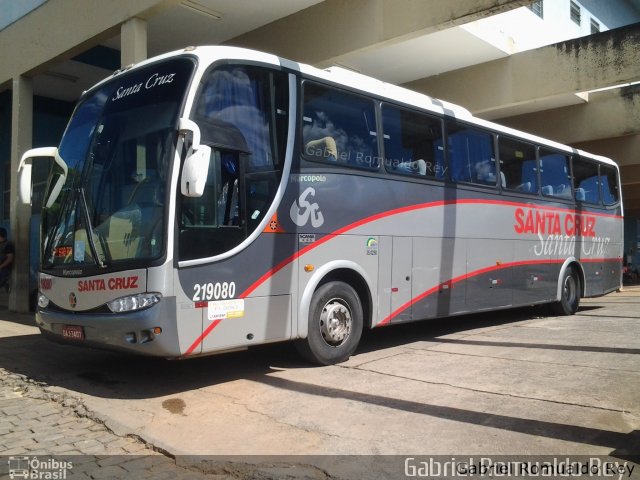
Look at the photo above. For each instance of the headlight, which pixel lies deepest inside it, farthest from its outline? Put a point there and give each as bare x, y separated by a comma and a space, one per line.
43, 301
133, 302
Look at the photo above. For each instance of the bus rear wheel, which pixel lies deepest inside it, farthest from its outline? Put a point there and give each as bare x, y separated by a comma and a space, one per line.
335, 324
569, 293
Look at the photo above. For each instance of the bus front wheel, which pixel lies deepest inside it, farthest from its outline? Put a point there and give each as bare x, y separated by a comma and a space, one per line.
335, 324
569, 293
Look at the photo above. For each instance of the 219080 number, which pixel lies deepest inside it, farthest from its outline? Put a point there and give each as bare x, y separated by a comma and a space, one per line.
214, 291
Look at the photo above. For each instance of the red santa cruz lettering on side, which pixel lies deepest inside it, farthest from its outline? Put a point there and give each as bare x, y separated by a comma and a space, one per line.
547, 222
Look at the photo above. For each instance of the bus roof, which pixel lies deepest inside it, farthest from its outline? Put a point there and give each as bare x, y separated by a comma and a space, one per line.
357, 81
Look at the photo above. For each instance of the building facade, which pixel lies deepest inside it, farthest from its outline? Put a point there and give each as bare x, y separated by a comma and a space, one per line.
568, 70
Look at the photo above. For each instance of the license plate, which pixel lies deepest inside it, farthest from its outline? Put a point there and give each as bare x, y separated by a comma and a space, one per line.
73, 332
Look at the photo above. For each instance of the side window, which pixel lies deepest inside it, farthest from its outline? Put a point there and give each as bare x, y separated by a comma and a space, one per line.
518, 166
339, 128
213, 223
471, 155
609, 184
555, 174
412, 143
235, 111
586, 181
242, 112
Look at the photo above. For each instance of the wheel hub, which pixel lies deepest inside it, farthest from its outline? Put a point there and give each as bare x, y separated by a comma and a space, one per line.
335, 323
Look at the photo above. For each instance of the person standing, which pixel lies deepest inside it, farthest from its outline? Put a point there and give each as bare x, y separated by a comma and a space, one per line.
7, 253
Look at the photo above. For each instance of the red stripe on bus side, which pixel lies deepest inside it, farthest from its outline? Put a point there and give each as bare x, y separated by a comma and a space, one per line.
200, 339
329, 236
453, 281
389, 213
538, 207
423, 295
397, 211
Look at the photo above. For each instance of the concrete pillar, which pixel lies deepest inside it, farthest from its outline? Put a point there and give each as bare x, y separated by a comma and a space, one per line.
21, 138
133, 41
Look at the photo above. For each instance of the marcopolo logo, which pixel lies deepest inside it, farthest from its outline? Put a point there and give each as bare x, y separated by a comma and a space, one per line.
34, 468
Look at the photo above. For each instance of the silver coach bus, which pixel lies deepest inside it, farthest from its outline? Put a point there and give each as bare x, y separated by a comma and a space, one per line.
215, 198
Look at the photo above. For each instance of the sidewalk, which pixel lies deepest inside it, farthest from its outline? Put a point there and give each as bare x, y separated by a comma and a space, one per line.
41, 425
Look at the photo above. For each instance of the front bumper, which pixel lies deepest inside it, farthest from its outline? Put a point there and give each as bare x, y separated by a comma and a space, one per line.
130, 332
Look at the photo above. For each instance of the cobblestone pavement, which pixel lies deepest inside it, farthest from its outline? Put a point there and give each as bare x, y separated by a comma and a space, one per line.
53, 434
36, 421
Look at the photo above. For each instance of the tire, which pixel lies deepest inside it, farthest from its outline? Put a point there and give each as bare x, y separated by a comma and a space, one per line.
569, 293
335, 324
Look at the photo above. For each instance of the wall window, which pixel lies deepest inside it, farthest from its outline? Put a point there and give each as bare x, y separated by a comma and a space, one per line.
575, 12
518, 166
609, 184
595, 26
537, 8
555, 174
339, 128
412, 143
471, 154
586, 181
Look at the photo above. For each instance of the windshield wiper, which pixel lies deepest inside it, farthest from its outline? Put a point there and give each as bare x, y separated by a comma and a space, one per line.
90, 231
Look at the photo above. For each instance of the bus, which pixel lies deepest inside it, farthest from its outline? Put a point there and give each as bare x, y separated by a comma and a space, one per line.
216, 198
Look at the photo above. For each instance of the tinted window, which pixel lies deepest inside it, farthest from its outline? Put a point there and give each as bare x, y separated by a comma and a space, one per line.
471, 155
586, 182
412, 143
555, 175
518, 166
609, 183
339, 128
235, 112
242, 114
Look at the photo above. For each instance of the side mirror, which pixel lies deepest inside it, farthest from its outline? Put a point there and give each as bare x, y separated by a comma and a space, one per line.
194, 172
24, 173
196, 165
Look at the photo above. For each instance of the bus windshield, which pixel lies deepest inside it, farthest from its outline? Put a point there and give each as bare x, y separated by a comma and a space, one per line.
118, 148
